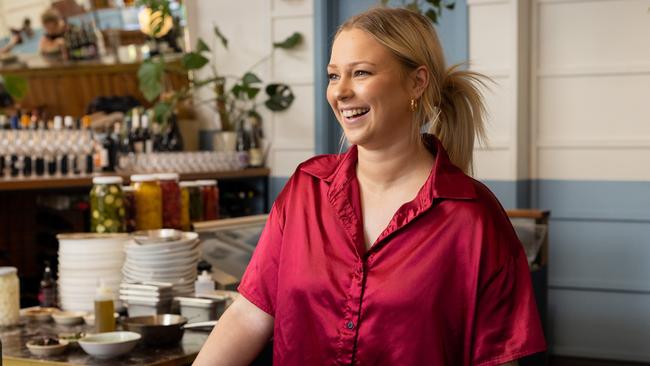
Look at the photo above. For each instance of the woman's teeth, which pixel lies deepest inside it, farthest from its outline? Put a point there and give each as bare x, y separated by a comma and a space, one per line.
349, 113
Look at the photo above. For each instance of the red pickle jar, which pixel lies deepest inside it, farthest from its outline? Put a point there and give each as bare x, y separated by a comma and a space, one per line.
128, 193
171, 200
210, 194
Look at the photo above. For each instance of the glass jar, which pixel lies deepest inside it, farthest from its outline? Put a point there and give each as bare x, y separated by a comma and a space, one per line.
128, 193
171, 200
10, 299
210, 195
185, 205
148, 202
196, 202
107, 205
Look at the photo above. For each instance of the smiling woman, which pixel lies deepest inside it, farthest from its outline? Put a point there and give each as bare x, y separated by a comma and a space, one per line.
388, 254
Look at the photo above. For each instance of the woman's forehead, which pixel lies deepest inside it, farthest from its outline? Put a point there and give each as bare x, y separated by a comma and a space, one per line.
355, 46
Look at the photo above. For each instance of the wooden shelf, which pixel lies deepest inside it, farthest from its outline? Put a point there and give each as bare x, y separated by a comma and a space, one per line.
44, 183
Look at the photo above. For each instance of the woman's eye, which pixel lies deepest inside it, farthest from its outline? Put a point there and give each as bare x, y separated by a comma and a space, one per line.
361, 73
332, 77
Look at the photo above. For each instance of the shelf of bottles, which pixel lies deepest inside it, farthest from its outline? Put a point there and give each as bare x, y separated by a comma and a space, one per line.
66, 152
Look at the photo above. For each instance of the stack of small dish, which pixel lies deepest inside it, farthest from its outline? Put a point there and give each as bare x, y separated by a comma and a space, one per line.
84, 259
167, 256
149, 298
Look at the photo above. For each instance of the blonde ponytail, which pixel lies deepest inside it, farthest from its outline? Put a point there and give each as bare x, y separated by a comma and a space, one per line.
462, 115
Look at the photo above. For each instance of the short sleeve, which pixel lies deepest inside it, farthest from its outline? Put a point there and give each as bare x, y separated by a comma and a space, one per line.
260, 281
507, 325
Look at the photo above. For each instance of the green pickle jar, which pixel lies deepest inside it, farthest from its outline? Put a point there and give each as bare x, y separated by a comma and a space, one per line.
107, 206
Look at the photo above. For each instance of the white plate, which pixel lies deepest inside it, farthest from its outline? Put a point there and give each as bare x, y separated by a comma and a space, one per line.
132, 246
165, 261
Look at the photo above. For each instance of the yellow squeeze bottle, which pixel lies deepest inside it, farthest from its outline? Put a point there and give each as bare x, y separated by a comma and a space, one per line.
104, 309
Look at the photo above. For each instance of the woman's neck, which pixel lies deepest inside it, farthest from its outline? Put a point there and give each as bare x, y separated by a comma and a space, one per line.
393, 165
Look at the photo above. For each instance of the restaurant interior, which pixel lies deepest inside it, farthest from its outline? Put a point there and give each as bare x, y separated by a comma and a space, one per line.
143, 143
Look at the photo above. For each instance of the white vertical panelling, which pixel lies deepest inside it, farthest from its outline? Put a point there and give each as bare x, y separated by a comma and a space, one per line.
498, 48
591, 63
251, 27
12, 13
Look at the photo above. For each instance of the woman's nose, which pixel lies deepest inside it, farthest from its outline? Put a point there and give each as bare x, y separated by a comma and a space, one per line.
343, 89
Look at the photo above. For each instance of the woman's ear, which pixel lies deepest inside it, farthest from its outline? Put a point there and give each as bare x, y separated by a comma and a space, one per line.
420, 79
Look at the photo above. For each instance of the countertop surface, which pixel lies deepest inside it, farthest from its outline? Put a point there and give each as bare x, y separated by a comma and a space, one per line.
15, 353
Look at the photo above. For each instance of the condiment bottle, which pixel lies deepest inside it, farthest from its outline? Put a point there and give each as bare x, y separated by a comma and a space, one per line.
47, 293
104, 309
204, 284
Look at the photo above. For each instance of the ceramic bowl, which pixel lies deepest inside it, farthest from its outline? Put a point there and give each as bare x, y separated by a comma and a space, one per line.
68, 317
45, 351
109, 345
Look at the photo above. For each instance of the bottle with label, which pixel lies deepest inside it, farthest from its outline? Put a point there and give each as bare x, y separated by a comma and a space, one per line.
135, 133
145, 135
47, 292
256, 151
104, 309
108, 149
204, 285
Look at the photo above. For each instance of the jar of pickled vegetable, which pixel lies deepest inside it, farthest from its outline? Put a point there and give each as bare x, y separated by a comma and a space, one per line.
196, 201
10, 299
148, 202
185, 205
210, 195
171, 200
107, 205
128, 193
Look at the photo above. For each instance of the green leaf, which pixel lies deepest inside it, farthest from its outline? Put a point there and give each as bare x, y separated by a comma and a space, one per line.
431, 14
224, 40
201, 46
252, 92
450, 6
162, 111
250, 78
280, 97
290, 42
16, 86
193, 61
150, 76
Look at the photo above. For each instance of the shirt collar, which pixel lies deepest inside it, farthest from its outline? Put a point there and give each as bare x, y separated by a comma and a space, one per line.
445, 181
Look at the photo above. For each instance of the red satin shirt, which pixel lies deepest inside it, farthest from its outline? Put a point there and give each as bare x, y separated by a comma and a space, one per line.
446, 283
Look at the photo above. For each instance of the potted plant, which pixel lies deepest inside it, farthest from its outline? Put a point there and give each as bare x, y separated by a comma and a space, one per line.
234, 97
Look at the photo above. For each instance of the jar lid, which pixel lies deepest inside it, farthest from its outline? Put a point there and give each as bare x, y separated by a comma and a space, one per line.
167, 176
128, 189
143, 178
207, 182
186, 184
108, 180
8, 270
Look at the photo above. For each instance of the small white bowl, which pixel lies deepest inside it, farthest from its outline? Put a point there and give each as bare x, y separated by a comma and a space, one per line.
111, 344
53, 350
68, 317
89, 318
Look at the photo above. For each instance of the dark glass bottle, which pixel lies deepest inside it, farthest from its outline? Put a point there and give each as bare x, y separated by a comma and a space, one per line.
47, 293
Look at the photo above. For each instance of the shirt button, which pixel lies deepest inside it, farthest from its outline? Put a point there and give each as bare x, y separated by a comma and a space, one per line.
349, 325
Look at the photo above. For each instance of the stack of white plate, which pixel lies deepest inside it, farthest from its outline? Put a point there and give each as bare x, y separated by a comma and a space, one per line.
163, 256
84, 260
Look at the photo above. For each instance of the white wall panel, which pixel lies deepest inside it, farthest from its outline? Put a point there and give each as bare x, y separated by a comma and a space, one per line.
594, 163
593, 33
294, 128
285, 162
594, 108
292, 7
498, 101
490, 36
290, 65
600, 324
494, 164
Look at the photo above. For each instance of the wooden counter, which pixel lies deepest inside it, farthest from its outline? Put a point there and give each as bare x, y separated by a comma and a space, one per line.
42, 183
15, 353
66, 88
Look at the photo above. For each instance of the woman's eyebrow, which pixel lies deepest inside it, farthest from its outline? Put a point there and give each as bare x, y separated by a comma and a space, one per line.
355, 63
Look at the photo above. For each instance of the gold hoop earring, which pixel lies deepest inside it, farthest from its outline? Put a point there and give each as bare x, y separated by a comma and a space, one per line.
414, 105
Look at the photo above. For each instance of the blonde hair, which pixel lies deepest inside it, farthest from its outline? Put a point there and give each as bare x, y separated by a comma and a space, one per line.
452, 101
